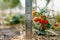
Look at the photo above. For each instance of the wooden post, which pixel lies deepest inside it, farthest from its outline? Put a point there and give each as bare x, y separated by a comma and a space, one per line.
28, 19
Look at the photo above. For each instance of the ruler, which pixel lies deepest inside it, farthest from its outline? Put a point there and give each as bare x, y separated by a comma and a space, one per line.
28, 19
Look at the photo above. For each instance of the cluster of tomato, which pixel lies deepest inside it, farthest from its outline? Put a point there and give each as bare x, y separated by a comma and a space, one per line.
42, 20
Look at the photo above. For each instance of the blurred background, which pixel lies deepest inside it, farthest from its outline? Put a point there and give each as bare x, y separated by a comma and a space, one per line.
12, 14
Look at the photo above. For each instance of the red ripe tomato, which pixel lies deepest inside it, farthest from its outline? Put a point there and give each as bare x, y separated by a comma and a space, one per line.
41, 21
36, 19
56, 24
43, 16
43, 27
46, 21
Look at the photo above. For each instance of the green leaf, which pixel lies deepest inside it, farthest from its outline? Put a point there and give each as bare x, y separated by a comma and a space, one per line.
42, 32
48, 1
15, 20
48, 26
43, 10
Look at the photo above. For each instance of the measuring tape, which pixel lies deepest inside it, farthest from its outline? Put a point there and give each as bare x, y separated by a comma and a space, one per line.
28, 19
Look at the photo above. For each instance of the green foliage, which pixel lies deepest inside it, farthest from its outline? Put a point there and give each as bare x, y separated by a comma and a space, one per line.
48, 26
42, 32
57, 28
6, 0
58, 18
18, 18
22, 21
12, 3
15, 20
44, 9
33, 0
48, 1
37, 28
